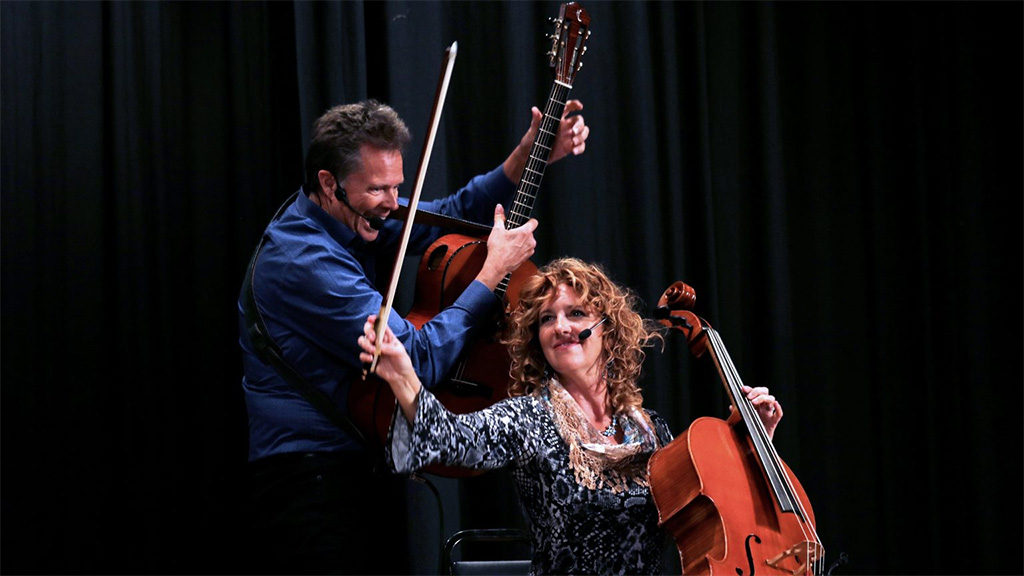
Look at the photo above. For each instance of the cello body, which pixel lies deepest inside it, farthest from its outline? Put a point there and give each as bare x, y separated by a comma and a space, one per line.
731, 504
711, 496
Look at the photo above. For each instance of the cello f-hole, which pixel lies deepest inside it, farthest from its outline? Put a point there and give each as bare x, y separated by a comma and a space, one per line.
750, 554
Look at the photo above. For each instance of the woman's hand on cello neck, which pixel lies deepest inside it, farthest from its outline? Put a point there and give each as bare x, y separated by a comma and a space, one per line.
768, 408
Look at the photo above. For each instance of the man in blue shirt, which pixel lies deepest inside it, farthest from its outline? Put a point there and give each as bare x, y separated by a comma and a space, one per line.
319, 504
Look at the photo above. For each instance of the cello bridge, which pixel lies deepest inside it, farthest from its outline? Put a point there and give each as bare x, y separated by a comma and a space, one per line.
806, 554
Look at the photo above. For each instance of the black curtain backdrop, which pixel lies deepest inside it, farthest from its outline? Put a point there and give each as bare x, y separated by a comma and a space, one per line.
840, 182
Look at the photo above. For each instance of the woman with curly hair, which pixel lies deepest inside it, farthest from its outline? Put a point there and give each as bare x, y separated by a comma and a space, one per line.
573, 431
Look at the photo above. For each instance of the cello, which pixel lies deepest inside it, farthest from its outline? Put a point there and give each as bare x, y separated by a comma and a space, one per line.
731, 504
480, 375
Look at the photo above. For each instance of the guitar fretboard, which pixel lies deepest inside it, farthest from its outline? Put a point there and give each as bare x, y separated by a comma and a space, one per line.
533, 172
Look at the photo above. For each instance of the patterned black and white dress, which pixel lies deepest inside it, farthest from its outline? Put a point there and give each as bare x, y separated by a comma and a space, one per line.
575, 529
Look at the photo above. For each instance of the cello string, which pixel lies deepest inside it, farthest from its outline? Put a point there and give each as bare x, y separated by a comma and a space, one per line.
775, 460
691, 325
758, 433
769, 461
757, 426
743, 403
807, 528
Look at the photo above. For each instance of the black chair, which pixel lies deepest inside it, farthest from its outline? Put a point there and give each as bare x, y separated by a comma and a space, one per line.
517, 564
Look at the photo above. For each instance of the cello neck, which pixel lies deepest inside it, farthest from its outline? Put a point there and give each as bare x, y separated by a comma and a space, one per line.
767, 457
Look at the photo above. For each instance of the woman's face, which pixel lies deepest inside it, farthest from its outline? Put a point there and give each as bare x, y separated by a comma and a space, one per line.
560, 322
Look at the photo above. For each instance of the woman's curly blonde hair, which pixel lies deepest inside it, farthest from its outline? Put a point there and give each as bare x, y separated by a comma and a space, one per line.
626, 333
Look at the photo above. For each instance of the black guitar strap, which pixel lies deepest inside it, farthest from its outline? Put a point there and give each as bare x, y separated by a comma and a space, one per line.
270, 353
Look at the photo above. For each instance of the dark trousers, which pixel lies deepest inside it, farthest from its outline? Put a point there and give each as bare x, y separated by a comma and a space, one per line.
327, 514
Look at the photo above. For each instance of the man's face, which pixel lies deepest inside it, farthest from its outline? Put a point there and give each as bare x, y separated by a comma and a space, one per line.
372, 190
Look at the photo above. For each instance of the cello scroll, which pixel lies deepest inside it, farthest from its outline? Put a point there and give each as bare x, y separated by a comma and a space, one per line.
673, 311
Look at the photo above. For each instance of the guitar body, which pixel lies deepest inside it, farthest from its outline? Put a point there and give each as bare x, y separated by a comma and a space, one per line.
480, 377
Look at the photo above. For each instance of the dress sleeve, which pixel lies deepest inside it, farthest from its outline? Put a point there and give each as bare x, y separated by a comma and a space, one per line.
484, 440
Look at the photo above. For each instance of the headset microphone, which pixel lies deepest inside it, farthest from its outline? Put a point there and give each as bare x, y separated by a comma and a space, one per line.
584, 334
376, 222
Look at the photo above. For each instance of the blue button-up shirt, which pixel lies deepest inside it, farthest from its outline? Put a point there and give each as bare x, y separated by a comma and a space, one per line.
314, 283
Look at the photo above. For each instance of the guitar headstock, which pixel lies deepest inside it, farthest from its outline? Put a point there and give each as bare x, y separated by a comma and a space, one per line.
572, 28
